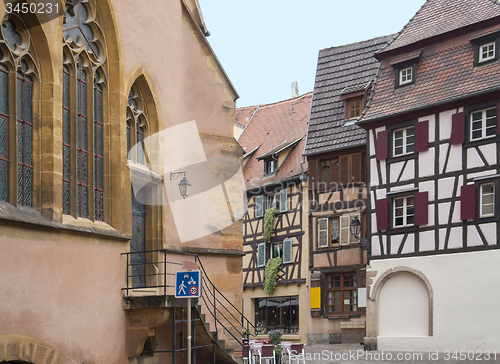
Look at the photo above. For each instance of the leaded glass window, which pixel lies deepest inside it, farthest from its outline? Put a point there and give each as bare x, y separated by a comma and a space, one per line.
136, 121
81, 141
98, 154
4, 131
83, 129
66, 143
24, 137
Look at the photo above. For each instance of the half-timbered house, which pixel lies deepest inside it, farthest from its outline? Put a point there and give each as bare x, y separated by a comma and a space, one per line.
336, 155
274, 139
433, 153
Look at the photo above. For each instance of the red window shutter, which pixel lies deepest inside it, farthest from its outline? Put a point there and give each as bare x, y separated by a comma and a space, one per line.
356, 167
382, 144
421, 209
311, 170
422, 136
458, 128
468, 202
344, 169
382, 214
498, 119
334, 172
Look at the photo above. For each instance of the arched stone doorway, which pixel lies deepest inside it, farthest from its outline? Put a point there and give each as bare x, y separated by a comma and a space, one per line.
404, 299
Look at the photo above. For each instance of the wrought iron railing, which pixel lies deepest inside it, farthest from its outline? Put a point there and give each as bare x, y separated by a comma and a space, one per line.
155, 269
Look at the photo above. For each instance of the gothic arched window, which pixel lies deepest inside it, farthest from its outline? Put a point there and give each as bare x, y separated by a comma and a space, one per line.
136, 126
17, 74
83, 117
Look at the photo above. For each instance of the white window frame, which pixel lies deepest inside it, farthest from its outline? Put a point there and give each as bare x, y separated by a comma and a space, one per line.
287, 251
485, 47
279, 246
484, 122
323, 238
261, 248
481, 202
259, 206
283, 200
271, 166
405, 76
406, 144
405, 208
270, 201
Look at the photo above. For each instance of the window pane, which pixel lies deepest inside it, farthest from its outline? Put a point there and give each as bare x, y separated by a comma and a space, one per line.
4, 87
4, 180
3, 137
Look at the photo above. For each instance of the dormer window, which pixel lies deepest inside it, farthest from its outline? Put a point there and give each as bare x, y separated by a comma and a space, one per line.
405, 68
354, 107
485, 49
486, 52
405, 76
354, 100
271, 166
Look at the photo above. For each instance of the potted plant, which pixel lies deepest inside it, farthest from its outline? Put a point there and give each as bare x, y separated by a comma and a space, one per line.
275, 337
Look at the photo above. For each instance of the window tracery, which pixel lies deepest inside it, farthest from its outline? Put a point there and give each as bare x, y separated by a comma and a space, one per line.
83, 117
136, 125
18, 73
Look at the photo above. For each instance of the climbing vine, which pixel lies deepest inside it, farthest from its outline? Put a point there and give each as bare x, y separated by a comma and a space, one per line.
269, 223
271, 274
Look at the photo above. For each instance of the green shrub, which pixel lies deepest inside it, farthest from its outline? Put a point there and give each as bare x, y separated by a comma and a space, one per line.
271, 274
269, 223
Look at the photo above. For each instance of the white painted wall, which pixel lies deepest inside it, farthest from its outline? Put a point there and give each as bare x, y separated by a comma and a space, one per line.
404, 306
466, 299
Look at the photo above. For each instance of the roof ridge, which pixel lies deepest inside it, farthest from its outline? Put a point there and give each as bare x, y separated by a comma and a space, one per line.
282, 101
359, 42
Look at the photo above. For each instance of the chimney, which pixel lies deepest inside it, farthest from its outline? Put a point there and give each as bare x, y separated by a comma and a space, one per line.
295, 89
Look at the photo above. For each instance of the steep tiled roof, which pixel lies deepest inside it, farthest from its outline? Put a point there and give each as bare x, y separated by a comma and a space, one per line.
244, 114
342, 67
278, 124
445, 72
437, 17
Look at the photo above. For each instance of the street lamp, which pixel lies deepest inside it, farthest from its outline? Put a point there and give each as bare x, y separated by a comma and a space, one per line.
355, 228
183, 184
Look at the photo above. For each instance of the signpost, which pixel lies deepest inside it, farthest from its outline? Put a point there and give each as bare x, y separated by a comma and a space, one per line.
188, 285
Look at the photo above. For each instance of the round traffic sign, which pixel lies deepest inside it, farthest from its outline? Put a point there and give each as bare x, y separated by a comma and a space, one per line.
193, 290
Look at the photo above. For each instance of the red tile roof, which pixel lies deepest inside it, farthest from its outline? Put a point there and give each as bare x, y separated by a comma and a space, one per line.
273, 125
445, 72
437, 17
244, 114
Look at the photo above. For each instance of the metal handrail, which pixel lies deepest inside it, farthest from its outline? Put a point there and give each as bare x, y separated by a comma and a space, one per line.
224, 313
215, 289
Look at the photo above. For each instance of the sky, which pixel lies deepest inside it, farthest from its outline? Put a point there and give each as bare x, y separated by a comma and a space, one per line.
265, 45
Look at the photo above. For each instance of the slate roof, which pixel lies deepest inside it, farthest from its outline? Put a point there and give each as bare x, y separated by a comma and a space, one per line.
347, 66
445, 72
437, 17
273, 127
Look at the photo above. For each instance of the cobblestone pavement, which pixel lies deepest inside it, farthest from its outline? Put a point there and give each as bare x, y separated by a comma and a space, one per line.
354, 353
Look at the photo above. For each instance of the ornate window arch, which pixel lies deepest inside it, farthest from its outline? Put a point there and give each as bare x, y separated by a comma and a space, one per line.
84, 90
19, 82
137, 125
